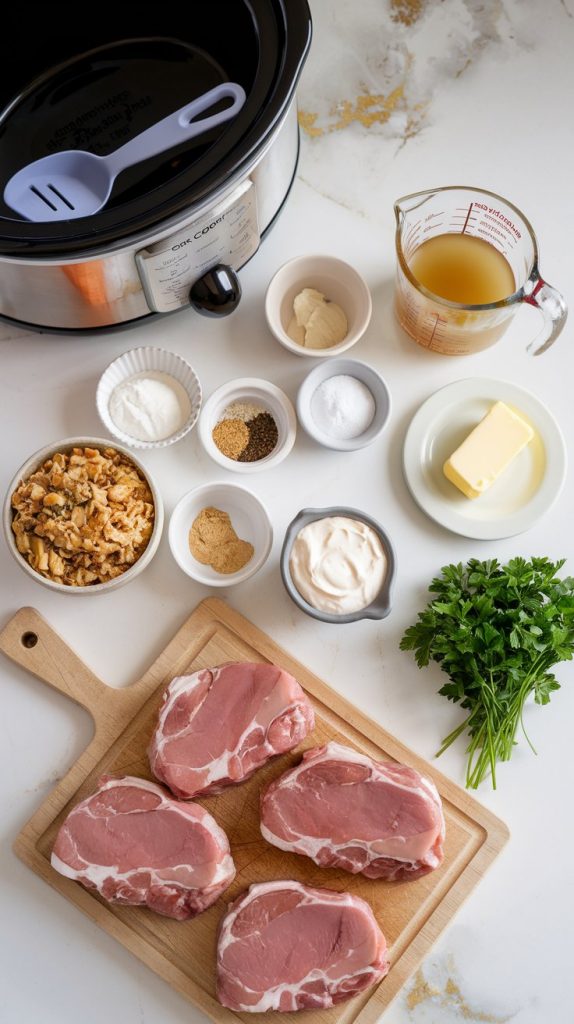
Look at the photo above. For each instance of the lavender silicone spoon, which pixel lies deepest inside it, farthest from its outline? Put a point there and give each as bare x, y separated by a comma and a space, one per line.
75, 183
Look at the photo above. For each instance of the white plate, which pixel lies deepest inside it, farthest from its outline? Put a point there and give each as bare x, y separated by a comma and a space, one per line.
520, 496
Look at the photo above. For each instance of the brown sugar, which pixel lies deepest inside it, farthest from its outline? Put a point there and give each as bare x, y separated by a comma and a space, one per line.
214, 542
231, 437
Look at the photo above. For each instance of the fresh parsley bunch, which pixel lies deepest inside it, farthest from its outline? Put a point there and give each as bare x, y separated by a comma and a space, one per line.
496, 630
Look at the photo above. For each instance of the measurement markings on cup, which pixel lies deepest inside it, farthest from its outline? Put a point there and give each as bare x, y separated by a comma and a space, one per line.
436, 330
467, 218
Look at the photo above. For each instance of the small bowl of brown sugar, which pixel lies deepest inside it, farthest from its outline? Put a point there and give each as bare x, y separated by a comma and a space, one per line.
248, 425
220, 534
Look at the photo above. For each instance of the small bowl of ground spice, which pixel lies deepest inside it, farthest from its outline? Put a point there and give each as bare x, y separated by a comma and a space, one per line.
220, 534
248, 425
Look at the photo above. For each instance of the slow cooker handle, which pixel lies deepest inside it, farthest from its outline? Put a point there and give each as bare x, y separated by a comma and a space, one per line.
217, 293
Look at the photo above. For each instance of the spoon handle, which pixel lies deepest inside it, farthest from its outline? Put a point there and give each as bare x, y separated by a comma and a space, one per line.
176, 127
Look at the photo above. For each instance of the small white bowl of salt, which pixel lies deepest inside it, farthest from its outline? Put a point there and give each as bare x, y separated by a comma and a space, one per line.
343, 404
149, 398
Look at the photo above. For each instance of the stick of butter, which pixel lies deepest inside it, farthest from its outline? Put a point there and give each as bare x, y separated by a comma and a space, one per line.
488, 450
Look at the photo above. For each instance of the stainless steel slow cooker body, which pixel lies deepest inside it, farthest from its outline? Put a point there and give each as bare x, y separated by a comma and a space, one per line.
122, 267
153, 273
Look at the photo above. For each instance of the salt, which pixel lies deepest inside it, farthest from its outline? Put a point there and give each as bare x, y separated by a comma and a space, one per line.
342, 407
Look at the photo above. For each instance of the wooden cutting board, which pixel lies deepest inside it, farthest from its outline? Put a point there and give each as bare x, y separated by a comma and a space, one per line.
411, 914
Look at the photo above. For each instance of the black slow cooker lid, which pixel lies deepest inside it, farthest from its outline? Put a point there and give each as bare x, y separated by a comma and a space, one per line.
97, 83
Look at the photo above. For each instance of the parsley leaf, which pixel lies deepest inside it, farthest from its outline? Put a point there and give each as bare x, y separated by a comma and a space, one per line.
496, 631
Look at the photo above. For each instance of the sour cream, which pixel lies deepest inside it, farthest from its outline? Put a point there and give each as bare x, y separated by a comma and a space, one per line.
338, 564
149, 406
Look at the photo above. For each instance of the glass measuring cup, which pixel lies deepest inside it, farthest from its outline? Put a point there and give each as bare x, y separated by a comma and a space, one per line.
454, 328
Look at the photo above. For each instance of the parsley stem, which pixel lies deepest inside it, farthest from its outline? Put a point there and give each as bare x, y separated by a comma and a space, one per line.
452, 736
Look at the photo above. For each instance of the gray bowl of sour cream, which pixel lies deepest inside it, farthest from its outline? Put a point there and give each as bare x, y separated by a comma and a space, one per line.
338, 565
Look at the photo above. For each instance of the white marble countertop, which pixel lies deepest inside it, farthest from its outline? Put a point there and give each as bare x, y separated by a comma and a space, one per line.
395, 97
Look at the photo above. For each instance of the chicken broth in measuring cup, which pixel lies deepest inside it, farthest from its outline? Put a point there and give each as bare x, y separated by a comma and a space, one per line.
466, 258
462, 268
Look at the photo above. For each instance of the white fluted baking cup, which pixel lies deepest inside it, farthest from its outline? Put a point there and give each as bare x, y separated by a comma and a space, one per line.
139, 361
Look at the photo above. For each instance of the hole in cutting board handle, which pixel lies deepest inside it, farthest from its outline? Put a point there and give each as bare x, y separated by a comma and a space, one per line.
29, 639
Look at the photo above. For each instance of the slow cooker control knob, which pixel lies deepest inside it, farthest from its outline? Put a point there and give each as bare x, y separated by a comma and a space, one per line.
217, 293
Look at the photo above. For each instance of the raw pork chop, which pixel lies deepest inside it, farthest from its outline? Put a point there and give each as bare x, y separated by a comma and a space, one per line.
344, 810
219, 725
134, 844
285, 946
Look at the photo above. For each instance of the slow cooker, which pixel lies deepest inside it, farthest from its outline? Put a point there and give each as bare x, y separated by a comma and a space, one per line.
177, 226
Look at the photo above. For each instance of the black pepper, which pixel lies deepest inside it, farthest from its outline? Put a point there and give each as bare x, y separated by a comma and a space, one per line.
263, 437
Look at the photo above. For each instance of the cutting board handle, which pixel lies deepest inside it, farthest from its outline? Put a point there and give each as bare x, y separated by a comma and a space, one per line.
29, 641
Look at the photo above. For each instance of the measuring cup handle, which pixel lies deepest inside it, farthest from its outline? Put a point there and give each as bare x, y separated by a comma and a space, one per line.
553, 307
